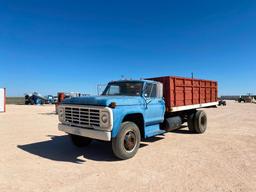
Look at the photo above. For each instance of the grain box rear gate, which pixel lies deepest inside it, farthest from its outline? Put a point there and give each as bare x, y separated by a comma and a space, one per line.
182, 92
2, 99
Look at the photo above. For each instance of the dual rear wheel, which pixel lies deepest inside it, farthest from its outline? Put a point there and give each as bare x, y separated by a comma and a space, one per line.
197, 122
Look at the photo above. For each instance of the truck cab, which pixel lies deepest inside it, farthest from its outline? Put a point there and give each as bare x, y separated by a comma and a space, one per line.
126, 112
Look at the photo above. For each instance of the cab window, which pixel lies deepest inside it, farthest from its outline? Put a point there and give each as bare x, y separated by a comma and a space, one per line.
150, 90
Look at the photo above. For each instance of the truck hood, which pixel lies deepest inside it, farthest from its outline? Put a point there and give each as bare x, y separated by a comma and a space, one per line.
104, 100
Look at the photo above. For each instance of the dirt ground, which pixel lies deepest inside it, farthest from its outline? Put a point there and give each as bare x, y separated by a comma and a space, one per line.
35, 156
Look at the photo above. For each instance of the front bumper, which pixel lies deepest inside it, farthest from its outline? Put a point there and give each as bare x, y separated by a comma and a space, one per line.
90, 133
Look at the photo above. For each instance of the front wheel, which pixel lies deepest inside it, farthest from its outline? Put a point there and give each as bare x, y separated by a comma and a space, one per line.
80, 141
126, 144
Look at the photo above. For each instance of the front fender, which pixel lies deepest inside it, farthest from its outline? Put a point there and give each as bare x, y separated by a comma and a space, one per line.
118, 115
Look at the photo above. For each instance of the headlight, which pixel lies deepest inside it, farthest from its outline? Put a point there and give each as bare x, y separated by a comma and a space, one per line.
61, 114
104, 119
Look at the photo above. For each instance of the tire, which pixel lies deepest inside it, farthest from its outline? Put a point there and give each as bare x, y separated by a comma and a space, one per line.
200, 122
80, 141
191, 126
126, 144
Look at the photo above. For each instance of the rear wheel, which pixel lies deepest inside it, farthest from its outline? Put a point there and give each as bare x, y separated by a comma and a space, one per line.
200, 122
191, 126
127, 142
80, 141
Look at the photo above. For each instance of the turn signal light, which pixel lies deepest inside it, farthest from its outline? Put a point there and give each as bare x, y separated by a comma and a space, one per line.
112, 105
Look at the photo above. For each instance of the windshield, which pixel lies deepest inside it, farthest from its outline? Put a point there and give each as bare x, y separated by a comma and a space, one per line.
124, 88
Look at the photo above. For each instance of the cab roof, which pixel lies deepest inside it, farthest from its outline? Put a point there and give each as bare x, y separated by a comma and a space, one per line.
137, 81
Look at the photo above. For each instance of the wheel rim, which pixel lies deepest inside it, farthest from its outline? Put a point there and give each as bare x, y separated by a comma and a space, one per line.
130, 141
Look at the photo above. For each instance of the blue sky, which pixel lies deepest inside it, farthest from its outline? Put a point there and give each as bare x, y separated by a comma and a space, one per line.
51, 46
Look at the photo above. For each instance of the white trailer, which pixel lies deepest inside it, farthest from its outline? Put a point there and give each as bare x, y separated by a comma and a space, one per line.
2, 99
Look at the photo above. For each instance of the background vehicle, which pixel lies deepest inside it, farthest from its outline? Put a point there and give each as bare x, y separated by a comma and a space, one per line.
37, 99
246, 99
130, 110
222, 102
241, 99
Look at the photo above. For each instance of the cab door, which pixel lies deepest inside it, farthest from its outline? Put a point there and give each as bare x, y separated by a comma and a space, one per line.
154, 104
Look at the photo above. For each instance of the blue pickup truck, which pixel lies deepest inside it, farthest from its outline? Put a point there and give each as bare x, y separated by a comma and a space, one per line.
126, 112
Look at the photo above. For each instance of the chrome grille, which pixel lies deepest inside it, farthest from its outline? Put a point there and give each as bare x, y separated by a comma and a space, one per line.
82, 116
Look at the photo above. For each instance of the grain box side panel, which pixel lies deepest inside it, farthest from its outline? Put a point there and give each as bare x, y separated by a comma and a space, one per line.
186, 91
202, 92
214, 91
168, 97
172, 92
182, 89
196, 92
179, 91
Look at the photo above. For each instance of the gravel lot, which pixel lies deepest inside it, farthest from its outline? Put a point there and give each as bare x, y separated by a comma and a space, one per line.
35, 156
